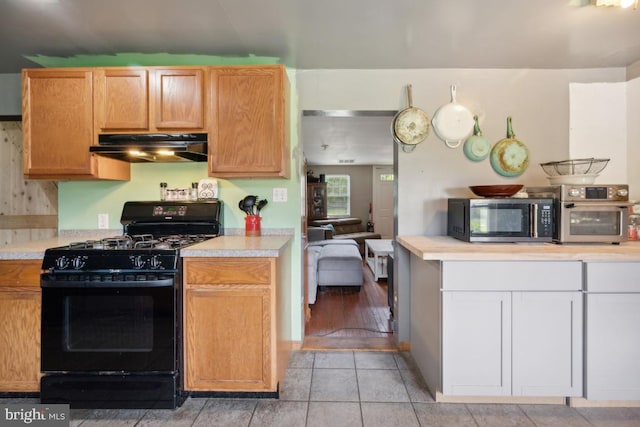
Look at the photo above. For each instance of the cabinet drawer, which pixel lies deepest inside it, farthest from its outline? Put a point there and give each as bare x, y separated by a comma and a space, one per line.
213, 271
512, 275
612, 276
21, 273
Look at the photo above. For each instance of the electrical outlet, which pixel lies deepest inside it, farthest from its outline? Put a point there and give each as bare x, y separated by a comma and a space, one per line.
103, 221
279, 194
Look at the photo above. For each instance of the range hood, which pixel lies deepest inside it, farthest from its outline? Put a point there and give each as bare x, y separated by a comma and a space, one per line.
156, 147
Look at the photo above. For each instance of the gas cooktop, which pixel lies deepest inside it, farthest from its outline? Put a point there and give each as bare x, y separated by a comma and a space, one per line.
140, 241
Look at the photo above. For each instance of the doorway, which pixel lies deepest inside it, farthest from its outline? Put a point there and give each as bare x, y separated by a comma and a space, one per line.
342, 318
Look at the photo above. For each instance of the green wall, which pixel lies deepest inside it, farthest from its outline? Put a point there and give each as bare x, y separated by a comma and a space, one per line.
80, 202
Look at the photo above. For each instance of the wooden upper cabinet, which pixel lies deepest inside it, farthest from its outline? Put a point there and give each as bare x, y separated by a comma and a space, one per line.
150, 99
122, 99
179, 99
57, 116
248, 134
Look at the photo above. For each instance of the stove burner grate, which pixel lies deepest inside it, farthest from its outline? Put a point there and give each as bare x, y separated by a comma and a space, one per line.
141, 241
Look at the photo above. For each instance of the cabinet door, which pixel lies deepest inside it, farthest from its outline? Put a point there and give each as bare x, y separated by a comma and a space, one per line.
229, 324
612, 346
57, 122
122, 99
476, 343
149, 99
20, 326
178, 99
57, 116
227, 338
247, 136
547, 344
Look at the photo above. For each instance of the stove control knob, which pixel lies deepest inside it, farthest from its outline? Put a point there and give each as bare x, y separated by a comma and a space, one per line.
138, 261
62, 262
78, 262
155, 263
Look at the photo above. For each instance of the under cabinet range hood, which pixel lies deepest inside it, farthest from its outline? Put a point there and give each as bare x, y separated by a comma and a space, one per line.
156, 147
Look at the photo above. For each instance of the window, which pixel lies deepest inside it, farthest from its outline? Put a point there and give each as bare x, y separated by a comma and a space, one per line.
338, 195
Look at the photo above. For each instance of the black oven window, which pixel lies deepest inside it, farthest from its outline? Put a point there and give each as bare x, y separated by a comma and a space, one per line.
113, 323
492, 219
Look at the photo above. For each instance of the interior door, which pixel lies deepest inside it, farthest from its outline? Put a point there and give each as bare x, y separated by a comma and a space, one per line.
382, 211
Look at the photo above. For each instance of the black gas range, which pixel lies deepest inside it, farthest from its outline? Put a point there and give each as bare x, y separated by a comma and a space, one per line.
111, 309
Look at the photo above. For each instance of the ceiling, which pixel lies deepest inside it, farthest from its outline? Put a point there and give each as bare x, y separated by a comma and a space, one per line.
328, 34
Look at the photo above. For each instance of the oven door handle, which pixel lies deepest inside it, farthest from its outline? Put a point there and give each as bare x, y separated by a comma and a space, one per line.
594, 204
46, 282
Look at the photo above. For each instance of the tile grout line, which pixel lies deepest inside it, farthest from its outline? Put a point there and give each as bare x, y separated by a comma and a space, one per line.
355, 367
313, 367
200, 411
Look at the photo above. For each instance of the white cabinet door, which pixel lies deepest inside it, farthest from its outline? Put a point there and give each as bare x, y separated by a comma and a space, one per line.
547, 344
612, 347
476, 343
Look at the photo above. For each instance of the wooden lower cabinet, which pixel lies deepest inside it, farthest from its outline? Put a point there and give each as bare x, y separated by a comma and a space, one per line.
229, 323
20, 326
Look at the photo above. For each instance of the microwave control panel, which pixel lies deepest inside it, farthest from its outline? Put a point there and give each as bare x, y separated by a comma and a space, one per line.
545, 220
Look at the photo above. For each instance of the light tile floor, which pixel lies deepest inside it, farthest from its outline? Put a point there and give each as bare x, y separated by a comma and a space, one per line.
355, 389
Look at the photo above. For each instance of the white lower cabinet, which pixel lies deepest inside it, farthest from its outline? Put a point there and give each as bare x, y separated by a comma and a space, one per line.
476, 343
612, 347
547, 344
518, 342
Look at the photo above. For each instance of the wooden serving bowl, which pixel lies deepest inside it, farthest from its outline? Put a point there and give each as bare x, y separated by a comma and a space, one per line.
496, 190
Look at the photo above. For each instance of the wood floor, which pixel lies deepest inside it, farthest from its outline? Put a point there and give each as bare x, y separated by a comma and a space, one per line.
344, 319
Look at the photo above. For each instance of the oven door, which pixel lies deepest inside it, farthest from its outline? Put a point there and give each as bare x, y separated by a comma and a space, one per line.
121, 327
593, 222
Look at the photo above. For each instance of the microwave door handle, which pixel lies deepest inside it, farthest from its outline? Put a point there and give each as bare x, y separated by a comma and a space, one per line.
533, 227
623, 225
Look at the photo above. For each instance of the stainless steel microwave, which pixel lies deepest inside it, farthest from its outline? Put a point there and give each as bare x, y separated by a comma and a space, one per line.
501, 219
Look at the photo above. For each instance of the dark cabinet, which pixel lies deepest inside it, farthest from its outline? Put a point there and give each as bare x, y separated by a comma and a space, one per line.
316, 201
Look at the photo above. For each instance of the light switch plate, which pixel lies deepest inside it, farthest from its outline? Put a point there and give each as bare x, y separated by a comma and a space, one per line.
103, 221
279, 194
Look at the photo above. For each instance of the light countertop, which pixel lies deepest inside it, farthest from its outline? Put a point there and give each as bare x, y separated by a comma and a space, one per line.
223, 246
34, 249
446, 248
238, 246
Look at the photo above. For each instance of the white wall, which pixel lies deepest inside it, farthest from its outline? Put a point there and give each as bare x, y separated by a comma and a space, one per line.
598, 127
538, 101
633, 138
